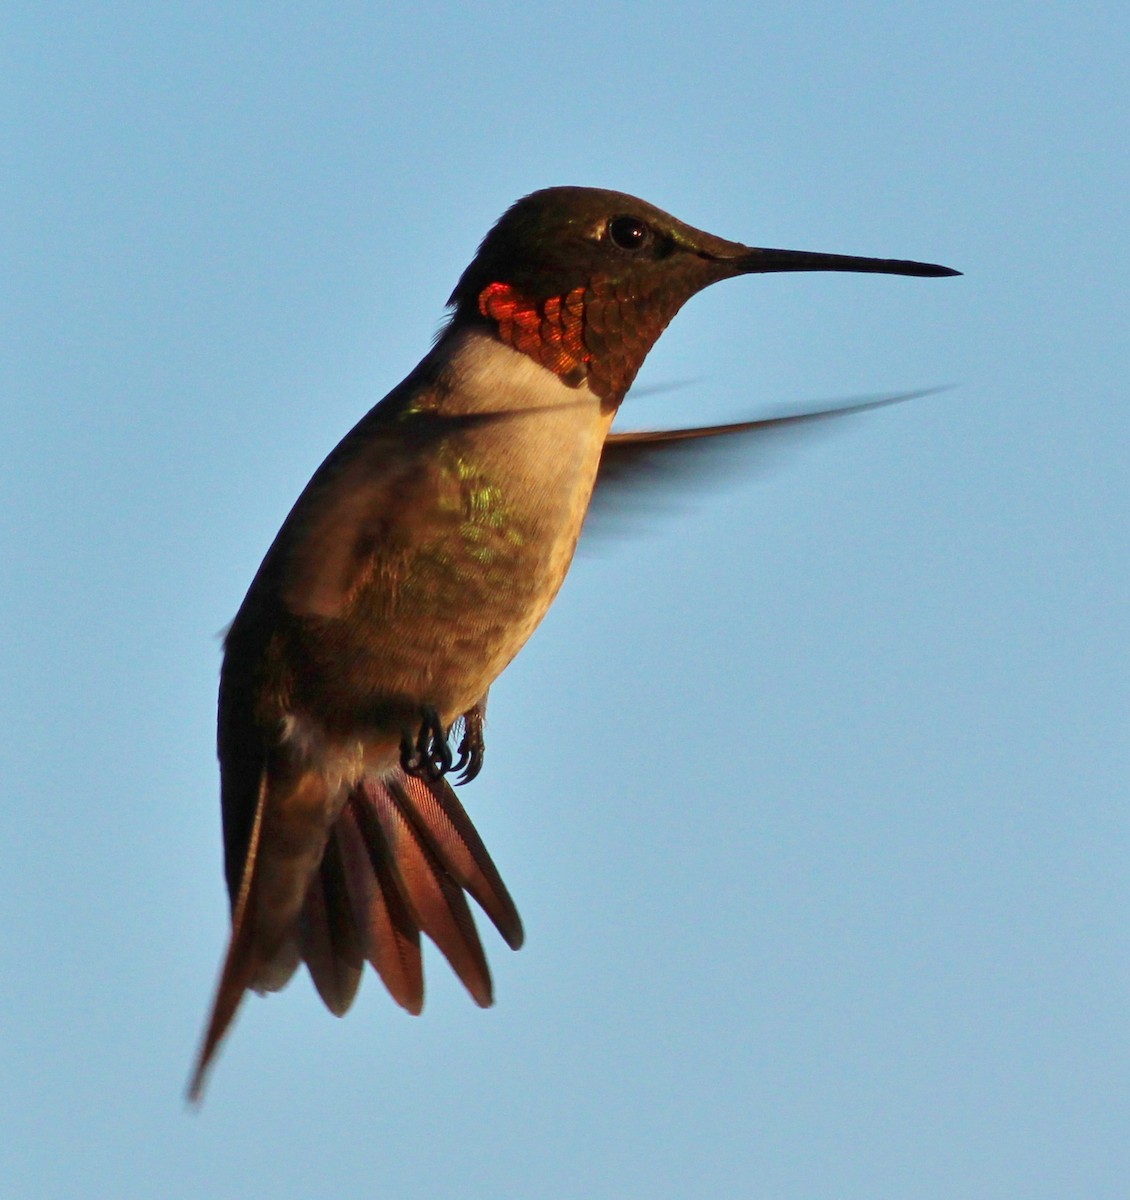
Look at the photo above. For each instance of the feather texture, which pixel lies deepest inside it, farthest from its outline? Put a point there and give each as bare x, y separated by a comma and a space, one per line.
399, 860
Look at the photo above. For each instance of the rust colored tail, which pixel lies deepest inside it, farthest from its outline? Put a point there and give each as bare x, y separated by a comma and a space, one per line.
395, 864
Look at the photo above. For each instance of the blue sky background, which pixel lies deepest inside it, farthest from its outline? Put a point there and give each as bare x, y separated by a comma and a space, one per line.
812, 791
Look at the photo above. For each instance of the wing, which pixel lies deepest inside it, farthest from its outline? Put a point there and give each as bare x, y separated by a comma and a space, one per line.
638, 460
367, 483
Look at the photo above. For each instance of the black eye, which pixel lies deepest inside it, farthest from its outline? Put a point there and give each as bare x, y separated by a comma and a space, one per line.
629, 233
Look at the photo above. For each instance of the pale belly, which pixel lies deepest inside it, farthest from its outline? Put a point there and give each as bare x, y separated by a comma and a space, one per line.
451, 599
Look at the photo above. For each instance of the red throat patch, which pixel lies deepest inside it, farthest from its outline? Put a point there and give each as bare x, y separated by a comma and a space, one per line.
552, 333
598, 334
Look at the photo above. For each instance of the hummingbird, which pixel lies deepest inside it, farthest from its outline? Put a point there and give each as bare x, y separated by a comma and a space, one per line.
411, 570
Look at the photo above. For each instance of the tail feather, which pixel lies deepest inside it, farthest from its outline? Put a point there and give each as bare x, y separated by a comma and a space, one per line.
437, 813
240, 963
434, 899
328, 937
399, 860
390, 936
275, 972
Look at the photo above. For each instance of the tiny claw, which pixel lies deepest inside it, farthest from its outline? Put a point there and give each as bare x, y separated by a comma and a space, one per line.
432, 745
471, 746
429, 756
473, 767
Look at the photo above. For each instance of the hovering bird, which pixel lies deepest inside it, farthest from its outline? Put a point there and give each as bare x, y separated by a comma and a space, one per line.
411, 570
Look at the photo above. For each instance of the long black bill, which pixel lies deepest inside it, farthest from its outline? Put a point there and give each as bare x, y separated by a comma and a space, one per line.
764, 261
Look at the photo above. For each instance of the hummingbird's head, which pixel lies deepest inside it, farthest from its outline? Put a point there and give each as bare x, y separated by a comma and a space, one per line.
585, 280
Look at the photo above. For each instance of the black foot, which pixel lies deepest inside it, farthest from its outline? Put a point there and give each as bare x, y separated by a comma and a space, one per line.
471, 745
429, 756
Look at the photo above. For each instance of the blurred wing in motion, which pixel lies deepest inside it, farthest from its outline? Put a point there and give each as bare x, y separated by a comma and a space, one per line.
651, 461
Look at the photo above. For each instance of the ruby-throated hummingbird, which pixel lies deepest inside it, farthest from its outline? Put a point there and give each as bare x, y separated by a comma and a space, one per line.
411, 570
